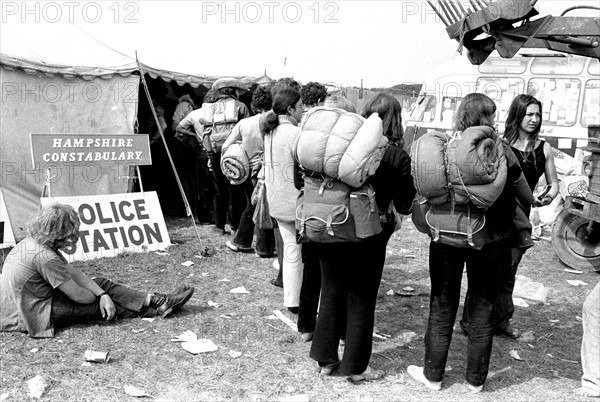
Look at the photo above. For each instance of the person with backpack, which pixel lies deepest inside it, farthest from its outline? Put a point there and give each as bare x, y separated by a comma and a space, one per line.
280, 130
248, 132
187, 148
535, 157
313, 94
351, 271
484, 266
221, 116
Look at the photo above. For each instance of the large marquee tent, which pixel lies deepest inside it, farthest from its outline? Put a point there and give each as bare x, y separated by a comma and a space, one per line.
58, 91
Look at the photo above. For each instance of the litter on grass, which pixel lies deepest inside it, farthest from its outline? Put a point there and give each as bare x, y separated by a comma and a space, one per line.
527, 337
148, 319
286, 320
133, 391
199, 346
234, 354
517, 301
137, 331
187, 263
239, 290
528, 289
161, 253
381, 336
403, 293
553, 321
213, 304
34, 350
408, 289
4, 396
515, 355
576, 282
205, 274
572, 271
493, 373
224, 280
185, 337
37, 385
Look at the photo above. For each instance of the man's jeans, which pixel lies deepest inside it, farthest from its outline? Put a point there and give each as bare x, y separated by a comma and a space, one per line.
446, 266
128, 303
265, 238
505, 307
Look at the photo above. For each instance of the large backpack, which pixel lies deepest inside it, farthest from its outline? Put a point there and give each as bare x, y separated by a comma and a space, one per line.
461, 225
330, 211
219, 118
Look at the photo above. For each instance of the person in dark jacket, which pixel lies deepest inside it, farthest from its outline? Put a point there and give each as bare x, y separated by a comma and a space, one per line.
484, 266
351, 272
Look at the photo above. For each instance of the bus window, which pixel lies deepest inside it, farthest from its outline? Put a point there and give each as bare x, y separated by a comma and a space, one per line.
557, 65
591, 103
449, 106
594, 68
502, 91
424, 109
559, 97
498, 65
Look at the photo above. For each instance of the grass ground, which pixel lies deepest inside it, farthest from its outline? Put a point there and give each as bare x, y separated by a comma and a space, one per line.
274, 362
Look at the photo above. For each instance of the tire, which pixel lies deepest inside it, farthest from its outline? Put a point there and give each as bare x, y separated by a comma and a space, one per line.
571, 245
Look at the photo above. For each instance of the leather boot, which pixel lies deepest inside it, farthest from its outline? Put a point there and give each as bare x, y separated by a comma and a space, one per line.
165, 305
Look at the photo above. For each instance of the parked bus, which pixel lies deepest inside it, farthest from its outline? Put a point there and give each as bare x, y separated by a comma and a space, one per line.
568, 87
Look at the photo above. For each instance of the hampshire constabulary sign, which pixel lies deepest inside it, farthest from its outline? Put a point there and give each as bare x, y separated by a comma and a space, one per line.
81, 149
111, 224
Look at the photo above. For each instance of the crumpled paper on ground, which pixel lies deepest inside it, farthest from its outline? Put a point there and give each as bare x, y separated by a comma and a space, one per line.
37, 385
528, 289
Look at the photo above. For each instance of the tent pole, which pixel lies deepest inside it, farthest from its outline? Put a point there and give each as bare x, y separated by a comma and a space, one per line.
185, 201
139, 175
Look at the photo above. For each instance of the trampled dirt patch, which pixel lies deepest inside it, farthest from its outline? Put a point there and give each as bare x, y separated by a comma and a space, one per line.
274, 363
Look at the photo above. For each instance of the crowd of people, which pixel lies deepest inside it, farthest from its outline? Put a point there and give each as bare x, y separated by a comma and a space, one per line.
332, 287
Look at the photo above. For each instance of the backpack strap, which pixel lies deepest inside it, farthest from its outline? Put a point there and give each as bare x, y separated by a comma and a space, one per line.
469, 227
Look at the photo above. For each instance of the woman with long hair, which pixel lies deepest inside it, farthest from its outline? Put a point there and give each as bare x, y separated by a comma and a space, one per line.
40, 291
535, 157
484, 266
351, 272
281, 131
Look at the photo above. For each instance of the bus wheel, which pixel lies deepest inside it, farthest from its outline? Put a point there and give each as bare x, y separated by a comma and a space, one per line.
573, 245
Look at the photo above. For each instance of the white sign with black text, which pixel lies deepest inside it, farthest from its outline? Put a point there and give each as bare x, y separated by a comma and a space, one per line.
111, 224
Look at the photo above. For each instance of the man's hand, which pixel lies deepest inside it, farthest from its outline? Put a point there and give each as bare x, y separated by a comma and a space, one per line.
542, 202
107, 307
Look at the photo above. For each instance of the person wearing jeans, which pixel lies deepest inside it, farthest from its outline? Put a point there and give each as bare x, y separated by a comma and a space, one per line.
351, 272
248, 132
446, 265
484, 268
40, 290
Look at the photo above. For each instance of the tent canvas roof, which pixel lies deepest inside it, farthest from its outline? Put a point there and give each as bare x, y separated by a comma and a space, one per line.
72, 52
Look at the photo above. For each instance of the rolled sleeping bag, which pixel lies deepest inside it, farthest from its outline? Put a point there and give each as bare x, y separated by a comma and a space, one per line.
428, 167
325, 135
235, 164
363, 155
477, 167
341, 144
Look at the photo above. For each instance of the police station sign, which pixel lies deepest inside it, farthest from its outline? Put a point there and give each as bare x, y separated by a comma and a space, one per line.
111, 224
81, 149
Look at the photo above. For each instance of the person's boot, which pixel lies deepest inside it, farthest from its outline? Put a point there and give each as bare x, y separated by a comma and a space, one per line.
165, 305
508, 331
